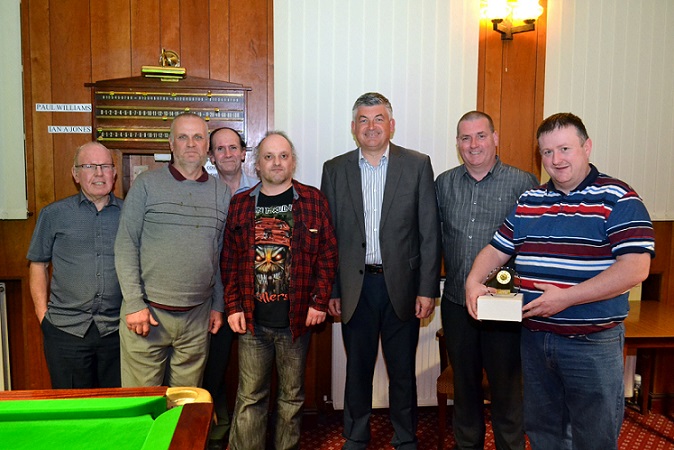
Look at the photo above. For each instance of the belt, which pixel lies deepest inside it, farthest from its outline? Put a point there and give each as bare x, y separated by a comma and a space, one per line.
374, 268
170, 308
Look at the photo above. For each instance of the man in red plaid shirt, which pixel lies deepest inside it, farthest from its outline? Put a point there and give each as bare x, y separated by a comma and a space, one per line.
278, 263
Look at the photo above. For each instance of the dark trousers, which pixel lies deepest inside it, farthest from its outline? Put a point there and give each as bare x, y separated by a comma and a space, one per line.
495, 346
375, 317
214, 378
91, 361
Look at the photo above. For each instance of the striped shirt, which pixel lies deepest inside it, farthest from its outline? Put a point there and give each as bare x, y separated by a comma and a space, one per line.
470, 212
373, 181
564, 240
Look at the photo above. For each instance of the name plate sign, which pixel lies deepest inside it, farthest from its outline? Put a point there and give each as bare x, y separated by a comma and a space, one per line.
67, 129
63, 107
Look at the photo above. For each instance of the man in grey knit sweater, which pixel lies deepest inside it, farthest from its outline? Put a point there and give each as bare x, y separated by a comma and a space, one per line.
167, 259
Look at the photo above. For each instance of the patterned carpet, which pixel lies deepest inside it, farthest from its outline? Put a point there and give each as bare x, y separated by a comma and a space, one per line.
652, 432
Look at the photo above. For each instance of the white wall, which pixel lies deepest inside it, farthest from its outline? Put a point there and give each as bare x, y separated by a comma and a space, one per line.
13, 199
610, 62
421, 54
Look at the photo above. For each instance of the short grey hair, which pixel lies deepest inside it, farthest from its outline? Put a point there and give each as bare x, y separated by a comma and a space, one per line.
372, 99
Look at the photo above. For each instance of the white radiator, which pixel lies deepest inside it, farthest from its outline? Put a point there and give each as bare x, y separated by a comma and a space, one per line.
4, 342
427, 364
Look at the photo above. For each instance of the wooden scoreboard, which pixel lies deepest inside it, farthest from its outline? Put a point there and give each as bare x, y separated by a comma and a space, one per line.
132, 116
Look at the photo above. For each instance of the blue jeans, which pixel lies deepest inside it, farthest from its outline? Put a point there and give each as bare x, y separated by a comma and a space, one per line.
573, 389
257, 354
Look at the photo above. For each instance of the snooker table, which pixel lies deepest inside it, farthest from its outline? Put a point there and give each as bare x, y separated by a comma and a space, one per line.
145, 418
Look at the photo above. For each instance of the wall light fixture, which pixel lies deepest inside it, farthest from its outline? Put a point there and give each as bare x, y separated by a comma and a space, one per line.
512, 16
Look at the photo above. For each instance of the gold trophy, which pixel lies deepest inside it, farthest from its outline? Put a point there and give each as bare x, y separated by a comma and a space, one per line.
504, 279
506, 302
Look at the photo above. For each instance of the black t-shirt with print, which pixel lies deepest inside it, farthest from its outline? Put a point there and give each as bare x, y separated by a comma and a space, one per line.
273, 258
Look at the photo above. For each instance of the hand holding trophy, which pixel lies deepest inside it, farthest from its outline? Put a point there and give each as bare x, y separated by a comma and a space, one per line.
506, 303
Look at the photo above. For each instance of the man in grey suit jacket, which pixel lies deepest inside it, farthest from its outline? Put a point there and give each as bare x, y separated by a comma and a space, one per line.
383, 204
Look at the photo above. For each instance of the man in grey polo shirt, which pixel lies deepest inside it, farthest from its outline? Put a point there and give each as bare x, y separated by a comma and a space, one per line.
80, 316
167, 254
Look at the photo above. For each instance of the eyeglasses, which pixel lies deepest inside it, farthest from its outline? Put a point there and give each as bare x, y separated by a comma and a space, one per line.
93, 167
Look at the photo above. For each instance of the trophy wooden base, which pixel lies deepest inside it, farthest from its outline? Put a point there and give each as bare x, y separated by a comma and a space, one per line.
506, 307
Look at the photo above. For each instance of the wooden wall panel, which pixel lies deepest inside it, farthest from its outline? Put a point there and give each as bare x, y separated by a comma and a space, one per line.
249, 50
219, 43
110, 39
662, 248
517, 139
38, 81
169, 17
15, 235
489, 84
511, 75
71, 68
270, 66
194, 37
145, 34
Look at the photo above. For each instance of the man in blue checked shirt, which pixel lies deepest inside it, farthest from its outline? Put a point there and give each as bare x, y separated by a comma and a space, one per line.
78, 308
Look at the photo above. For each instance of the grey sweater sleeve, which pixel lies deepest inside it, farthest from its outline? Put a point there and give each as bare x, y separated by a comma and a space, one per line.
127, 247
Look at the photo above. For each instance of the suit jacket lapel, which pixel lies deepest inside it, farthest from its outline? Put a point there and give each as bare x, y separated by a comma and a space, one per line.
356, 190
393, 173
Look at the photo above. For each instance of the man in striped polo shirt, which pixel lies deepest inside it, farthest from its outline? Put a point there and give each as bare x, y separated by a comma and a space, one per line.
581, 241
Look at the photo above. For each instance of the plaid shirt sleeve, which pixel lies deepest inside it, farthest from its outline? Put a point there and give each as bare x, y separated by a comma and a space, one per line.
314, 256
237, 282
326, 264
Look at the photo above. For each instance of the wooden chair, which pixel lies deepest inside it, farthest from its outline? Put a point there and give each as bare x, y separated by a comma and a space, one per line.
445, 387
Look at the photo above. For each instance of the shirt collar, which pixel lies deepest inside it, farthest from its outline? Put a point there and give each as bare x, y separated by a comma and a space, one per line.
498, 165
589, 179
179, 176
384, 157
246, 183
112, 200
